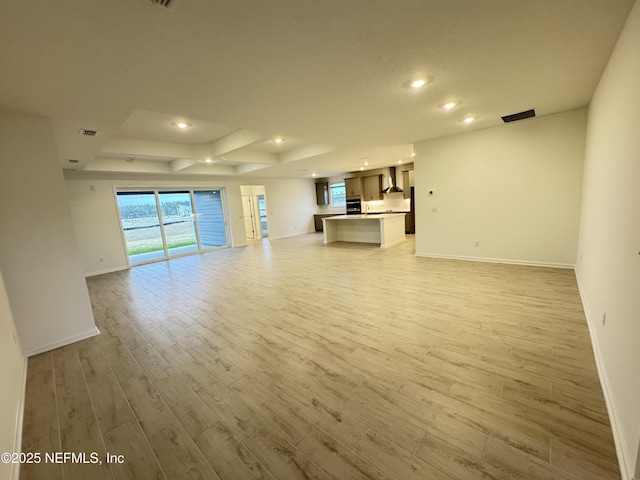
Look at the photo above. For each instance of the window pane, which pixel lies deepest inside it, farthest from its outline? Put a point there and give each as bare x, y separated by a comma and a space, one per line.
213, 232
338, 194
177, 218
141, 226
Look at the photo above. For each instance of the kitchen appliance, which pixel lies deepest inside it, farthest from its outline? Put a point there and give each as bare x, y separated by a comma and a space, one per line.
354, 206
392, 182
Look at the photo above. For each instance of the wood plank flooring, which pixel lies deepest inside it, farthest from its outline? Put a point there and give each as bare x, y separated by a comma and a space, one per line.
298, 360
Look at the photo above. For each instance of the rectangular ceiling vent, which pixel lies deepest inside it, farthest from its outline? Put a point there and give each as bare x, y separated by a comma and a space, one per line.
83, 132
164, 3
519, 116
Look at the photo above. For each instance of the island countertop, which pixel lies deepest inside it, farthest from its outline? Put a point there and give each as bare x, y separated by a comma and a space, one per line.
385, 229
365, 216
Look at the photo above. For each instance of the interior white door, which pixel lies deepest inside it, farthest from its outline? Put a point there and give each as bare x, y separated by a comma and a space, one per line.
247, 211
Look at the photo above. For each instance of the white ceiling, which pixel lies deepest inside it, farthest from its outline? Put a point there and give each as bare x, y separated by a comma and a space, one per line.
330, 77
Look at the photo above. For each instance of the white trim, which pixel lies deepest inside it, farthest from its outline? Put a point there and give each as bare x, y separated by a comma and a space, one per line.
108, 270
618, 439
498, 260
14, 471
291, 235
61, 343
122, 235
395, 242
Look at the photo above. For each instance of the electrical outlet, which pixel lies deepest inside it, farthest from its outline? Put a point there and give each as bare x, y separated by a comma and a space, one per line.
434, 210
477, 244
604, 318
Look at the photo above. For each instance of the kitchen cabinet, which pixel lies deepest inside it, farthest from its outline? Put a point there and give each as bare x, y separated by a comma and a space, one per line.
372, 186
317, 220
353, 186
409, 223
322, 193
407, 183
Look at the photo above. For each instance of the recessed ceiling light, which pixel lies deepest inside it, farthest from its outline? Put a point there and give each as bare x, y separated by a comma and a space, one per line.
182, 125
208, 160
366, 164
131, 159
361, 168
449, 106
413, 154
313, 174
469, 120
399, 162
420, 82
278, 140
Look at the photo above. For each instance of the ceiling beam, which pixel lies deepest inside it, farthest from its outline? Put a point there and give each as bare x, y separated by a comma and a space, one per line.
248, 167
152, 148
247, 156
139, 166
180, 164
209, 169
305, 152
230, 143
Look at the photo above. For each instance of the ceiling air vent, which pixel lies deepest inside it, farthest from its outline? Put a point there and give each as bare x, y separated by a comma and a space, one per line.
164, 3
87, 133
519, 116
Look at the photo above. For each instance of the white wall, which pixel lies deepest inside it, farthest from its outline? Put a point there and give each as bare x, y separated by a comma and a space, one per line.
609, 242
290, 206
514, 188
13, 369
39, 255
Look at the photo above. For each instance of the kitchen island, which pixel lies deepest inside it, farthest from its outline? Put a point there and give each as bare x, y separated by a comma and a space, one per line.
385, 229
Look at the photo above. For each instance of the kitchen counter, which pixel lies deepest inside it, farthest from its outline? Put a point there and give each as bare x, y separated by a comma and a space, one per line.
385, 229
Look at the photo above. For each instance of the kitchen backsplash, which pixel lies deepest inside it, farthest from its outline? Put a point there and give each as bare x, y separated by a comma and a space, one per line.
392, 201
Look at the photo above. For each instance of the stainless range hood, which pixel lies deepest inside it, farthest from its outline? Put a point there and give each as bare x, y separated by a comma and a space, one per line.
392, 182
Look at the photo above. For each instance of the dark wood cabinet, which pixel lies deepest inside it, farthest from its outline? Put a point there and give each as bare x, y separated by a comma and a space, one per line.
317, 220
353, 186
372, 187
407, 183
322, 193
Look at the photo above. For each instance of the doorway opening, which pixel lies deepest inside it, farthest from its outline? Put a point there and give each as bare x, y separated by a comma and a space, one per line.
262, 210
254, 210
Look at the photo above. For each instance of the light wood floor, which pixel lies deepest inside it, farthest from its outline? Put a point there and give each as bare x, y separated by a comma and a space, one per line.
295, 360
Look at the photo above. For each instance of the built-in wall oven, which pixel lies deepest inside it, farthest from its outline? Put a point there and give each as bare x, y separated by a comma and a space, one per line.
354, 206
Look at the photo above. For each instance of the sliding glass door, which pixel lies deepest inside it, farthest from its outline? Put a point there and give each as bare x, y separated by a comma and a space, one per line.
178, 222
141, 226
162, 224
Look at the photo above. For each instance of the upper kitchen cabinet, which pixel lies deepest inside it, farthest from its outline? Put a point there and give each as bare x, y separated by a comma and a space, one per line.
322, 193
372, 187
407, 183
353, 186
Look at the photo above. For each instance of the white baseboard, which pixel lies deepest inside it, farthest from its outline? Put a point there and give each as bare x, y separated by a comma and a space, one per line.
108, 270
291, 235
14, 472
62, 342
497, 260
622, 451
